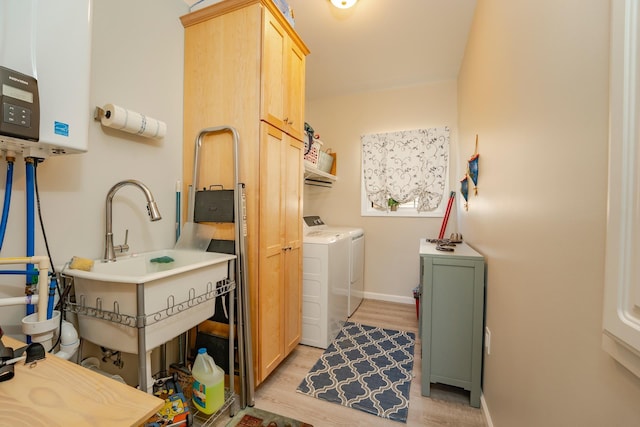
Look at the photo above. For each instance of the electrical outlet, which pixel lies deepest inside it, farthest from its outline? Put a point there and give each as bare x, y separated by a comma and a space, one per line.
487, 340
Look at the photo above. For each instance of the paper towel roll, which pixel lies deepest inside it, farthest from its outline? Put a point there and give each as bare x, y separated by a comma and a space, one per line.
120, 118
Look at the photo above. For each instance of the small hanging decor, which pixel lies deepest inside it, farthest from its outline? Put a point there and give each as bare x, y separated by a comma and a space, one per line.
473, 168
464, 190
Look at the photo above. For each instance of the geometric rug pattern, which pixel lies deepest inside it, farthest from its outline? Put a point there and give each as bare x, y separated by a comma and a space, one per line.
365, 368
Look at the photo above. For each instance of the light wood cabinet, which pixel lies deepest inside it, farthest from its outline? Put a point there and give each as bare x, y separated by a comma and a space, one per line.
280, 255
283, 83
244, 67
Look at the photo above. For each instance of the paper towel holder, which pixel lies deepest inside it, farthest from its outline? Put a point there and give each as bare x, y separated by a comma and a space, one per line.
98, 114
119, 118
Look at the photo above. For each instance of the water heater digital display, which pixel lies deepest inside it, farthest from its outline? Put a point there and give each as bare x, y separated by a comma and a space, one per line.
14, 92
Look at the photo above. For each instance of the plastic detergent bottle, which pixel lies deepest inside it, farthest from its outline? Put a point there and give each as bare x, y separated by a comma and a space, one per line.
208, 383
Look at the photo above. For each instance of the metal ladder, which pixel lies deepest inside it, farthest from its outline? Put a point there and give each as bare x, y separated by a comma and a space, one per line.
243, 324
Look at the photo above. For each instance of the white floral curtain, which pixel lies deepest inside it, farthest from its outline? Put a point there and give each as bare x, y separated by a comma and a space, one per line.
406, 165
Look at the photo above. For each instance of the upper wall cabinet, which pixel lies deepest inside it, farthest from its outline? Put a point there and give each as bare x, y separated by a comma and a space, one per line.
621, 319
282, 79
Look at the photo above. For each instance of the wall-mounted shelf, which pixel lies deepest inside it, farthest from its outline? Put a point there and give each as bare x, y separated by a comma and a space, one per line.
314, 176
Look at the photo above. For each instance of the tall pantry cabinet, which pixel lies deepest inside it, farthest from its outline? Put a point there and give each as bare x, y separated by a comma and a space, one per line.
244, 67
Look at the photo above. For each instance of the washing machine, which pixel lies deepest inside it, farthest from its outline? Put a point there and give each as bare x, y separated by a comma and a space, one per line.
356, 258
325, 285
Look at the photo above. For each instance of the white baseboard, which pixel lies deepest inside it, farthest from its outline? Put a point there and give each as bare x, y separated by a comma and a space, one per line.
485, 411
390, 298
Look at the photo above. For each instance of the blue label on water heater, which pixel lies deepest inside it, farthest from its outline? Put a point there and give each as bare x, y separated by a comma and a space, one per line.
61, 129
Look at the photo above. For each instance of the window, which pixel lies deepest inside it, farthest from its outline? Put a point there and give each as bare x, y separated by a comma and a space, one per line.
621, 319
408, 169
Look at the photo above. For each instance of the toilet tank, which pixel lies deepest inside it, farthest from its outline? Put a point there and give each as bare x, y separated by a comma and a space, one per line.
49, 41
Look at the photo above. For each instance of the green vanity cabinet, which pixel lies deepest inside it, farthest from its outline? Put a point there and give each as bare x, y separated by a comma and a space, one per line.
451, 318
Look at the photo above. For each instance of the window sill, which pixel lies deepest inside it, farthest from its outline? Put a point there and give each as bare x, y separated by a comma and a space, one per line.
623, 354
402, 213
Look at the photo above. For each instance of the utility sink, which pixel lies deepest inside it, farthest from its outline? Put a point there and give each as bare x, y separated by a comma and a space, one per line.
161, 298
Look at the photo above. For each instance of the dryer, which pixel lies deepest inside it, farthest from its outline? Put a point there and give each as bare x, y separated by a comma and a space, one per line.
356, 258
325, 285
356, 265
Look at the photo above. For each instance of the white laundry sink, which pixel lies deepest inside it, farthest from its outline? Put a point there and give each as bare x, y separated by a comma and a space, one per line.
117, 299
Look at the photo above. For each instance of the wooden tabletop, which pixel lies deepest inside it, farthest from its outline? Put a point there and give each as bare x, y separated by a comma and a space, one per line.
56, 392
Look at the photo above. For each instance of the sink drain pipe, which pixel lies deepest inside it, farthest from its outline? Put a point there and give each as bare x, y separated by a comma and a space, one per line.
40, 324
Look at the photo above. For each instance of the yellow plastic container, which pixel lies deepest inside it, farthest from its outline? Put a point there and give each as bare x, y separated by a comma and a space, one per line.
208, 383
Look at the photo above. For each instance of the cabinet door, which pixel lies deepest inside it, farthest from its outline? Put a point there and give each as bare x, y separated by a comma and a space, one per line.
452, 291
273, 69
282, 79
280, 290
271, 296
452, 323
294, 91
293, 242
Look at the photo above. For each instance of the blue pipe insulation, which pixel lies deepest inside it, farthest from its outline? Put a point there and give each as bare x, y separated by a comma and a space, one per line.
31, 220
7, 201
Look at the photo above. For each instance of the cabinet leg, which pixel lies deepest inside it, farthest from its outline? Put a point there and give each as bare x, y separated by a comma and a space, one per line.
474, 400
426, 389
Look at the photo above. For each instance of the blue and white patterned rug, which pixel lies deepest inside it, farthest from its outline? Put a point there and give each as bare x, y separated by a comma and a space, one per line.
365, 368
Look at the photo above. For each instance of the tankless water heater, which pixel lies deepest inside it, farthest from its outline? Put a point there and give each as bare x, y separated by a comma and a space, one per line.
45, 60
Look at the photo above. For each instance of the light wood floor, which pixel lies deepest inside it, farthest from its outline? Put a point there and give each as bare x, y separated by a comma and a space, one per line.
447, 406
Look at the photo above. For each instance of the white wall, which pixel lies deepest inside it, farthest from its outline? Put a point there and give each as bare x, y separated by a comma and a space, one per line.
534, 86
392, 265
137, 62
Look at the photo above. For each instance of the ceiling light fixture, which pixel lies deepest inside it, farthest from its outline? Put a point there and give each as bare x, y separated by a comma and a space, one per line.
343, 4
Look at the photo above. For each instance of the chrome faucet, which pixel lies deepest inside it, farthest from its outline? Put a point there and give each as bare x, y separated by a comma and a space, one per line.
152, 210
